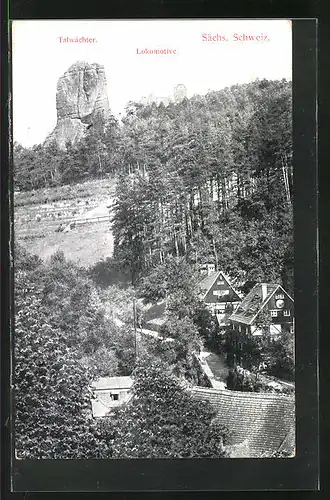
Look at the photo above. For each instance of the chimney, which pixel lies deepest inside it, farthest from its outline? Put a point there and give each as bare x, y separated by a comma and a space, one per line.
210, 269
264, 290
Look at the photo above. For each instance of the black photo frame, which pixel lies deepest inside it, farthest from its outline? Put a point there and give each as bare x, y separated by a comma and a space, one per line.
299, 473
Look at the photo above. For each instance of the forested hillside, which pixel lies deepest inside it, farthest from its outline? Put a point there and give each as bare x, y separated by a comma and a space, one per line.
209, 178
206, 180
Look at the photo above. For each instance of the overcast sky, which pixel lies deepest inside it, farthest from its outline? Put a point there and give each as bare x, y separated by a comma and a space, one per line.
39, 59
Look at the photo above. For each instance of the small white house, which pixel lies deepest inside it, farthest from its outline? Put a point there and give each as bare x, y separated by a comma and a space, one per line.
109, 393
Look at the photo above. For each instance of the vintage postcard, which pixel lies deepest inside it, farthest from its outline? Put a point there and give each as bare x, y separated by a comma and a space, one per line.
153, 258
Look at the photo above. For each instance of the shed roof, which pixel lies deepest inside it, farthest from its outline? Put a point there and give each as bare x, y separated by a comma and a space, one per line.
253, 303
157, 321
155, 311
108, 383
259, 423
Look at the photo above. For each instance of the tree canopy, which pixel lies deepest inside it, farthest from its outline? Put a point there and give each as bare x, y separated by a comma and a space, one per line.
162, 420
208, 179
52, 404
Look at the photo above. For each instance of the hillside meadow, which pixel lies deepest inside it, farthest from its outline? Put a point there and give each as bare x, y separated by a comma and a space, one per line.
38, 215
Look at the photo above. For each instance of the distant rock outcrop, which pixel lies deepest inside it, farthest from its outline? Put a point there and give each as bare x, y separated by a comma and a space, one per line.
81, 101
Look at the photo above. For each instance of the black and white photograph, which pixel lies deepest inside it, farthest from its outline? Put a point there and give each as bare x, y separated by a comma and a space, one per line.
153, 249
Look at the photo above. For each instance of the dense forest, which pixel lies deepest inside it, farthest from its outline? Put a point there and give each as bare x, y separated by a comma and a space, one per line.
211, 180
208, 179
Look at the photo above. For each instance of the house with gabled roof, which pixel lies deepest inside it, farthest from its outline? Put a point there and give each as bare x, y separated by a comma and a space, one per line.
109, 393
267, 308
259, 424
219, 295
215, 290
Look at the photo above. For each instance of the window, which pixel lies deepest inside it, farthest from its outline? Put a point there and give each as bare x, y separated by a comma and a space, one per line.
273, 313
286, 312
279, 296
220, 282
291, 329
220, 293
115, 397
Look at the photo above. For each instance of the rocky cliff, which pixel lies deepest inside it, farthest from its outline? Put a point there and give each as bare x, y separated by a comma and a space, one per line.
81, 101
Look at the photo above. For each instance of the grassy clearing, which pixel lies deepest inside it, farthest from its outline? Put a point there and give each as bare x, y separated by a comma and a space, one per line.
86, 246
98, 188
39, 213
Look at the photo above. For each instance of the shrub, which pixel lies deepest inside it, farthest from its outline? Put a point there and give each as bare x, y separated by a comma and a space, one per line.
163, 420
242, 380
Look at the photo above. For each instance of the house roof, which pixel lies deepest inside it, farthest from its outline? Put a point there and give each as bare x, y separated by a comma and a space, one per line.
157, 321
253, 303
155, 311
289, 443
259, 423
155, 335
206, 283
108, 383
102, 405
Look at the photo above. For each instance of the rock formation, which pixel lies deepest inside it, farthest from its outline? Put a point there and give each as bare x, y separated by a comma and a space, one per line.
81, 101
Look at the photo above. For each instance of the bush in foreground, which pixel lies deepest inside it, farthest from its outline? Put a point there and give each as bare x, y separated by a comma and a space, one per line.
163, 420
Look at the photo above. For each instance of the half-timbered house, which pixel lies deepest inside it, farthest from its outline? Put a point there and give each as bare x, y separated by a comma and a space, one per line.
267, 308
219, 295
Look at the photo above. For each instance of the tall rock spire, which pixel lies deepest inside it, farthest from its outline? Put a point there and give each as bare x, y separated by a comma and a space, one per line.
81, 101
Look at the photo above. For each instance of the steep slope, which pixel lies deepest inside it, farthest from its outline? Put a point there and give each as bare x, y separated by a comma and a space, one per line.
82, 211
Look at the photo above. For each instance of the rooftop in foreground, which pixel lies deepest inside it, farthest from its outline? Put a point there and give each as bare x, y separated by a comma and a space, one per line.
260, 424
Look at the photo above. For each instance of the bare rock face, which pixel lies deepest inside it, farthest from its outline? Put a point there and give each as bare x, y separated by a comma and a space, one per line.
81, 101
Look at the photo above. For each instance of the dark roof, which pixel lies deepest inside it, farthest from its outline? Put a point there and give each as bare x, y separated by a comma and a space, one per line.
260, 424
155, 311
253, 303
205, 284
289, 443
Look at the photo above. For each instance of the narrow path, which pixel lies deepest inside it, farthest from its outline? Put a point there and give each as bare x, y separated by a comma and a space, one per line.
216, 370
217, 365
